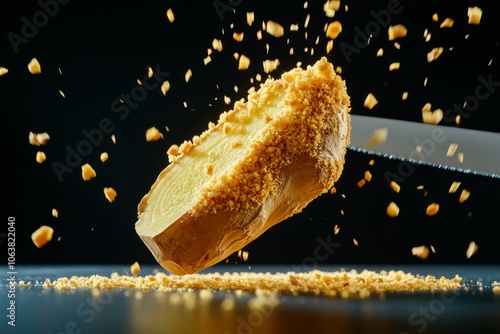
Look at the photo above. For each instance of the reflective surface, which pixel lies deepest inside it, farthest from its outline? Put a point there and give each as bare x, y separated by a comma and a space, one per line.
46, 310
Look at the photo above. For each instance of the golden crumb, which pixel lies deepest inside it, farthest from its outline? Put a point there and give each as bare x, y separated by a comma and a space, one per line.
104, 156
62, 93
420, 251
153, 134
3, 70
135, 268
447, 23
55, 214
394, 186
333, 29
474, 14
217, 44
378, 137
397, 31
370, 101
42, 236
333, 190
170, 15
460, 157
434, 54
207, 60
40, 157
243, 63
404, 96
165, 86
368, 176
275, 29
188, 75
361, 183
432, 209
471, 250
432, 117
34, 66
454, 186
113, 139
330, 7
88, 172
464, 195
435, 17
238, 36
380, 52
250, 18
392, 210
270, 65
38, 139
329, 46
394, 66
355, 242
451, 149
371, 162
110, 194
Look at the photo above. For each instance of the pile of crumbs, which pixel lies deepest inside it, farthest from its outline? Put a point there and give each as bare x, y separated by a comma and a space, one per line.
344, 284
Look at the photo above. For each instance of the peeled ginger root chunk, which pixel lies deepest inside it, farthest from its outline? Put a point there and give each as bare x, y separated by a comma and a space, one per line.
263, 162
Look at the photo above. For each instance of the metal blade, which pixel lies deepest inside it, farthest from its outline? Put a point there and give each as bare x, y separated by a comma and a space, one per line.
480, 149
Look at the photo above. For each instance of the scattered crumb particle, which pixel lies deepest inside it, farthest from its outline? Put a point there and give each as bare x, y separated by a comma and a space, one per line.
380, 52
217, 44
62, 93
3, 70
432, 117
471, 250
434, 54
188, 75
368, 176
113, 139
329, 46
421, 252
88, 172
270, 65
378, 137
170, 15
250, 18
238, 36
333, 190
370, 101
135, 268
392, 210
474, 14
104, 156
38, 139
42, 236
243, 63
447, 23
355, 242
150, 72
397, 31
361, 183
433, 250
40, 157
435, 17
153, 134
371, 162
454, 186
110, 194
394, 186
460, 157
404, 96
432, 209
333, 30
274, 29
451, 149
464, 195
55, 213
34, 66
394, 66
330, 7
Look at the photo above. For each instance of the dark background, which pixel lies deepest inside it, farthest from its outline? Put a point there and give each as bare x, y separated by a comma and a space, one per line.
103, 48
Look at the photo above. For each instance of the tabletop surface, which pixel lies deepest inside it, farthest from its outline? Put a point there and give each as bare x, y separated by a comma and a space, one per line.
46, 310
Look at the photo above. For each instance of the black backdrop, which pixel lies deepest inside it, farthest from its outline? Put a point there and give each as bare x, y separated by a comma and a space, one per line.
103, 48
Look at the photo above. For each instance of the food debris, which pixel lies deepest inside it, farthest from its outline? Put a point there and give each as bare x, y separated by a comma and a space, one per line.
368, 176
104, 156
42, 236
113, 139
361, 183
370, 101
397, 31
394, 186
464, 195
435, 17
330, 7
355, 242
454, 186
153, 134
38, 139
329, 46
3, 70
88, 172
250, 18
432, 117
34, 66
447, 23
170, 15
404, 96
378, 137
420, 251
55, 213
135, 268
380, 52
392, 210
334, 29
394, 66
165, 86
432, 209
451, 149
434, 54
471, 250
238, 36
188, 75
110, 194
460, 157
474, 14
243, 63
270, 65
274, 29
40, 157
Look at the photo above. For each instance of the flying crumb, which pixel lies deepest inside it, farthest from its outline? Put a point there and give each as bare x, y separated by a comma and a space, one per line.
404, 96
38, 139
432, 117
451, 149
110, 194
474, 14
188, 75
40, 157
238, 36
270, 65
370, 101
104, 156
275, 29
34, 66
355, 242
447, 23
397, 31
394, 186
170, 15
153, 134
464, 195
378, 137
62, 93
394, 66
330, 7
243, 63
55, 213
217, 44
392, 210
454, 186
434, 54
432, 209
460, 157
471, 250
3, 70
368, 176
113, 139
88, 172
135, 268
435, 17
250, 18
420, 251
165, 86
42, 236
361, 183
329, 46
333, 29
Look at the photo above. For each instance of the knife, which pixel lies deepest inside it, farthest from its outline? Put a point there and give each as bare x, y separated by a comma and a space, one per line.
429, 144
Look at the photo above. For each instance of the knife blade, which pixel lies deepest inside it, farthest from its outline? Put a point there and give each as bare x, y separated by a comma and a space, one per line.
429, 144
